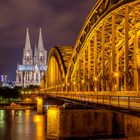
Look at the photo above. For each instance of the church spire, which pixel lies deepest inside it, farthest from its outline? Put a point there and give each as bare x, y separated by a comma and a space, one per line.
27, 41
42, 54
27, 53
40, 41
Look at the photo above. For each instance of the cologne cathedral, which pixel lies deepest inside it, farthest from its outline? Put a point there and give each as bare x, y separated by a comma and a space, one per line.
33, 66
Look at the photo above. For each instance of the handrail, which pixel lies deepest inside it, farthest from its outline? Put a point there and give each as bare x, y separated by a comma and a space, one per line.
126, 102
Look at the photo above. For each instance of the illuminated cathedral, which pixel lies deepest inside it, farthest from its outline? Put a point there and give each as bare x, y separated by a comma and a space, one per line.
33, 66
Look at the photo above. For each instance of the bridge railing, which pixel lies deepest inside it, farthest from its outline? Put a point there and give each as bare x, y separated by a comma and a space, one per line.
110, 93
125, 102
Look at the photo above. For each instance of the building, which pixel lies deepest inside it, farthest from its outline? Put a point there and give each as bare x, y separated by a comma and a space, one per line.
33, 66
6, 83
3, 82
3, 78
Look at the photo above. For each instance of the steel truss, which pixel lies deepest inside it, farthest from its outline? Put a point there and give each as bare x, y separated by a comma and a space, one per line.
109, 57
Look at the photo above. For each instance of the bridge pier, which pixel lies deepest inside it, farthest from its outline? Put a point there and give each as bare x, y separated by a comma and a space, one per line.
39, 105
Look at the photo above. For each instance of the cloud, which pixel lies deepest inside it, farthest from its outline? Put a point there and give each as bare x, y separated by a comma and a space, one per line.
61, 21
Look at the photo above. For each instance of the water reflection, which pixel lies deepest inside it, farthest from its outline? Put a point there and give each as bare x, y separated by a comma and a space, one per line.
2, 123
62, 124
132, 127
86, 124
53, 122
39, 121
20, 125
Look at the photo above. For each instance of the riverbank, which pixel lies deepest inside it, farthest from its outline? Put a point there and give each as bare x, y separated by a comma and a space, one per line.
17, 107
14, 106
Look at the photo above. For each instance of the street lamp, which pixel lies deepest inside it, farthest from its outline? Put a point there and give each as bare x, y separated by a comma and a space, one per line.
83, 85
95, 83
95, 78
63, 85
68, 86
115, 75
74, 85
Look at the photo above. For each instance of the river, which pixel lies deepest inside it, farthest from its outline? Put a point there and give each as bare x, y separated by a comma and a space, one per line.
67, 124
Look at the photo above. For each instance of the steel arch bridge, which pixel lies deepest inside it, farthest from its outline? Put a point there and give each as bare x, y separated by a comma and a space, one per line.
58, 61
106, 55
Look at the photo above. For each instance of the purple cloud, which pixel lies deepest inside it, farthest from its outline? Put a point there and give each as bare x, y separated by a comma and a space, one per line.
60, 21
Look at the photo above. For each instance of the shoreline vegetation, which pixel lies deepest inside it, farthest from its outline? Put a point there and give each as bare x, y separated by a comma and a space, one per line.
15, 93
11, 98
8, 93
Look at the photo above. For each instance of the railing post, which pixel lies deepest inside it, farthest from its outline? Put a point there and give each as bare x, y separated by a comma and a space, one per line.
110, 100
97, 99
129, 102
118, 101
84, 97
103, 99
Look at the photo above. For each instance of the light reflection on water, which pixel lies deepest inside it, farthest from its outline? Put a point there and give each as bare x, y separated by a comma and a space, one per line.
62, 124
40, 123
87, 124
21, 125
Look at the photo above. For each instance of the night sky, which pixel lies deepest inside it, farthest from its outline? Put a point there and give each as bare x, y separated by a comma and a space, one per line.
60, 20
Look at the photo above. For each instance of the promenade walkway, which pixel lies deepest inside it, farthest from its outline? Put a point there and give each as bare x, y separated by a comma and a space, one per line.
127, 103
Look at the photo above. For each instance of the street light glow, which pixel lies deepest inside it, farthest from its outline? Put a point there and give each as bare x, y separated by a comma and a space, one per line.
83, 81
95, 79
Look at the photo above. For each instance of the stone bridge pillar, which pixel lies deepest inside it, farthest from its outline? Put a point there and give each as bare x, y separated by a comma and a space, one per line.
39, 105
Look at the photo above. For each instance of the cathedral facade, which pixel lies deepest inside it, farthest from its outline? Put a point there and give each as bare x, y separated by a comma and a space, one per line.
33, 67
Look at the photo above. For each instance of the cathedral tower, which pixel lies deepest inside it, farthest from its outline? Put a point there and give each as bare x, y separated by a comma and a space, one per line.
27, 52
32, 68
42, 54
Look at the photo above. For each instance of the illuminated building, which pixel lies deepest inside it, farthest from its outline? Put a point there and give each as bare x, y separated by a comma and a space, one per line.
3, 78
33, 67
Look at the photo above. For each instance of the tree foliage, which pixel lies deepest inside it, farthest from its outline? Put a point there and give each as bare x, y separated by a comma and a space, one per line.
6, 92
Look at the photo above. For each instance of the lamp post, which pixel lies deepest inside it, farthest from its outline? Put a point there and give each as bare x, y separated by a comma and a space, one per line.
56, 89
95, 83
63, 87
116, 76
68, 87
83, 86
74, 83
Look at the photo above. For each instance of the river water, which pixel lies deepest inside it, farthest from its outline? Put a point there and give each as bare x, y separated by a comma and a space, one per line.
85, 124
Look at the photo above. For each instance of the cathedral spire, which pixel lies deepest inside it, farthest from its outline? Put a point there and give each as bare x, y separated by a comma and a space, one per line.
27, 41
27, 53
40, 41
42, 54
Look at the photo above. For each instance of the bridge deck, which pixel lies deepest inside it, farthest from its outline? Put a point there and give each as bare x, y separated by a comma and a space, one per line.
126, 103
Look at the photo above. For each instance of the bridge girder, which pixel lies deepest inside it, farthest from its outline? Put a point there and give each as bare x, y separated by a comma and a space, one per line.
57, 67
107, 54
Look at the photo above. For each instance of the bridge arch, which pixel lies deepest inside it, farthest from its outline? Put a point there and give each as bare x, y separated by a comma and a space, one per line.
106, 55
57, 67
